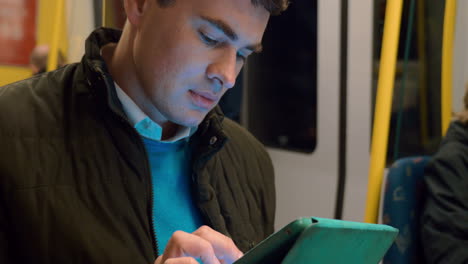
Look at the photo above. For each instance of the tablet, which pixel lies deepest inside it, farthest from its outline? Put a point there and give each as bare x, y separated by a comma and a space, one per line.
274, 248
321, 240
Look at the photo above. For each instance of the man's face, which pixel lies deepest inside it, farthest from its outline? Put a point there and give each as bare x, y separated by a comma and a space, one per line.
188, 54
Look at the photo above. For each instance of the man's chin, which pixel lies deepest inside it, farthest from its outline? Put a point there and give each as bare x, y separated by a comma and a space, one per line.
192, 121
190, 118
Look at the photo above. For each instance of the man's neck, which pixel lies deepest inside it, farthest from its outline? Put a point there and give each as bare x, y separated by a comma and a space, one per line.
120, 71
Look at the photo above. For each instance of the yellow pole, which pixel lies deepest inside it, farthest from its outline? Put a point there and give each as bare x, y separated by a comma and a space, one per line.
108, 14
447, 62
104, 13
383, 107
54, 46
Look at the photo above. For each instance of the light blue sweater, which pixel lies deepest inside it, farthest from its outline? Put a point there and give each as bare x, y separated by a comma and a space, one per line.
173, 206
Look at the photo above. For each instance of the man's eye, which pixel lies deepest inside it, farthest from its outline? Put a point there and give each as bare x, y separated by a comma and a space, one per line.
241, 57
209, 41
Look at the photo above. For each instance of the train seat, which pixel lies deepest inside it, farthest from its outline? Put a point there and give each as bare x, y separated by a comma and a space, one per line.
403, 190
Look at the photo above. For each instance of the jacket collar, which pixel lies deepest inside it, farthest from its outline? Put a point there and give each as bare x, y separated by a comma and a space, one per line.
96, 69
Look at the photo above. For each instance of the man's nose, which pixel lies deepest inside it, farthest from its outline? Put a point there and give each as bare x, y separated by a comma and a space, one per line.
224, 69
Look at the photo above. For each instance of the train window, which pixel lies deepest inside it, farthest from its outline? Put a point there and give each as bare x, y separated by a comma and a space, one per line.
417, 80
282, 81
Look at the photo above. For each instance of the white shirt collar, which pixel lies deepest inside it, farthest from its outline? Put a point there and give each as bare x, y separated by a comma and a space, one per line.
144, 125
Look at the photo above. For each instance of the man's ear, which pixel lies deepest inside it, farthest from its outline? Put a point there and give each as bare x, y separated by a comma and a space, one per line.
134, 10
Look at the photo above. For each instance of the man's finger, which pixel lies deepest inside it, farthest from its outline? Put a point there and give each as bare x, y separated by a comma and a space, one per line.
224, 247
182, 260
183, 244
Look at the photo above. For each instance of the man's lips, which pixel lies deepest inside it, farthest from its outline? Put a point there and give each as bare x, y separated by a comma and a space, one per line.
203, 99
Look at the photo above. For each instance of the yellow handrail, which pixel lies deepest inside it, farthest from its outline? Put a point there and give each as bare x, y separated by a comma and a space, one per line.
104, 13
108, 14
447, 63
383, 107
52, 60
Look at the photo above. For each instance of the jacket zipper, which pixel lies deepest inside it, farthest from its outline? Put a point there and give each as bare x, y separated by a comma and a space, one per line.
153, 224
133, 132
151, 201
147, 172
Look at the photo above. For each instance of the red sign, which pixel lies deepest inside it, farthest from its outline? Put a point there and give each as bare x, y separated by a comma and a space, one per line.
17, 31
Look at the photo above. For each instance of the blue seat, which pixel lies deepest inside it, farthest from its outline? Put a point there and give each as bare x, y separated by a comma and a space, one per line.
404, 189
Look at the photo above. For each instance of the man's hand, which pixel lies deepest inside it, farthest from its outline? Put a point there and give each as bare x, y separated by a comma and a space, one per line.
205, 243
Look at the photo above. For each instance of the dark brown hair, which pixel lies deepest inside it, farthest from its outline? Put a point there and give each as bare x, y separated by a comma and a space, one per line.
275, 7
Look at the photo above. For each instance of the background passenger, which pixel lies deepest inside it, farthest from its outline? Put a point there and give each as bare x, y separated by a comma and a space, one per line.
444, 219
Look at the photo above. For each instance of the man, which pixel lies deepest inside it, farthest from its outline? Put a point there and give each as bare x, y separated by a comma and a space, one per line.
38, 59
125, 158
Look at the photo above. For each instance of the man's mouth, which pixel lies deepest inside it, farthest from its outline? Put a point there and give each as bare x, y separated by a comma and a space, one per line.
203, 99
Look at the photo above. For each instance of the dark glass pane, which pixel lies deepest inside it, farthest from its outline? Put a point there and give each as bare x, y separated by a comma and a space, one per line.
416, 92
282, 80
231, 101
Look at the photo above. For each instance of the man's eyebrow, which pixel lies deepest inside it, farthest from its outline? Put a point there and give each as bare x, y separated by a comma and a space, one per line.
222, 26
229, 32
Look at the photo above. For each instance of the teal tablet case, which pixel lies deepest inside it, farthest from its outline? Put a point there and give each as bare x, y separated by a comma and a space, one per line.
273, 249
335, 242
323, 241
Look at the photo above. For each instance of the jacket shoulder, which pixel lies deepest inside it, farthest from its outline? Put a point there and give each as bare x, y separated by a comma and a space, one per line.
451, 155
241, 137
246, 153
34, 104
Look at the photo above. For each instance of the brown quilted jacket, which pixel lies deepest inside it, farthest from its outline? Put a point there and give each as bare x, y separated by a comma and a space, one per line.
75, 180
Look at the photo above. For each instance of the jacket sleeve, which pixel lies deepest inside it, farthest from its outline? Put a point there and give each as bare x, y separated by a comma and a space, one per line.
3, 237
444, 218
269, 199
